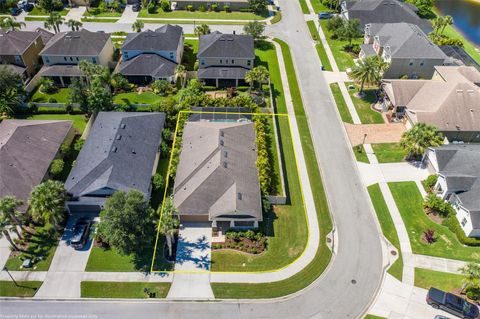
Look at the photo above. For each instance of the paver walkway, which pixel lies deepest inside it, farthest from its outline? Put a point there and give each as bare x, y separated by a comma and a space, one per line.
376, 133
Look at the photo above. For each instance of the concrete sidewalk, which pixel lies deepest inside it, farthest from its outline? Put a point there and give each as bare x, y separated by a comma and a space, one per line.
438, 264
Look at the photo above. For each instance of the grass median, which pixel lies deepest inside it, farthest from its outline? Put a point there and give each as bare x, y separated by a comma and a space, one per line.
341, 104
322, 54
426, 278
104, 289
21, 289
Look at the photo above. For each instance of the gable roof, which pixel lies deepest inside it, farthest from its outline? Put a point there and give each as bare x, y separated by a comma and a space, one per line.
404, 40
385, 11
148, 64
217, 173
16, 42
46, 35
165, 38
81, 42
460, 164
119, 153
27, 148
217, 45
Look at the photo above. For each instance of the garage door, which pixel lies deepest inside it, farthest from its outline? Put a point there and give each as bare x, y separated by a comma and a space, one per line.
193, 218
81, 209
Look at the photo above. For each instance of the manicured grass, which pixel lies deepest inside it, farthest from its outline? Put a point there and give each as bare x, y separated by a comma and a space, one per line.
426, 278
61, 96
37, 11
341, 105
24, 288
88, 19
304, 6
90, 13
389, 152
318, 6
409, 202
103, 289
363, 106
322, 54
277, 17
277, 188
313, 270
79, 120
212, 22
360, 154
388, 228
136, 98
42, 265
288, 237
373, 317
27, 18
344, 59
220, 15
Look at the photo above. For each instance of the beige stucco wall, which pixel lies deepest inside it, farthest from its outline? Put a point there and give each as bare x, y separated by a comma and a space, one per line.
401, 67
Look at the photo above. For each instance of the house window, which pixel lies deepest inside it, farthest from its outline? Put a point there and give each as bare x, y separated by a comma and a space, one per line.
249, 62
65, 58
233, 61
47, 60
410, 63
464, 222
71, 59
94, 60
422, 63
172, 55
202, 62
18, 59
226, 61
77, 58
221, 61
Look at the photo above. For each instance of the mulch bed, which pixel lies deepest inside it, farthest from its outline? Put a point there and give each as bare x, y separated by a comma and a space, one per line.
246, 245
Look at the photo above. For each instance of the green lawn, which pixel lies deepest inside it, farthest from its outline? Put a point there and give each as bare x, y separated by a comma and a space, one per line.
109, 14
15, 264
341, 105
24, 288
286, 228
88, 19
79, 120
136, 98
360, 154
322, 54
102, 289
161, 21
27, 18
426, 278
388, 228
318, 6
304, 6
220, 15
373, 317
323, 255
389, 152
363, 106
61, 96
409, 202
37, 11
276, 177
344, 59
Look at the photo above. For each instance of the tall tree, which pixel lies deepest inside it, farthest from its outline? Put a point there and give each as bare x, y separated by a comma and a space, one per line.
471, 275
9, 211
47, 202
437, 24
255, 29
257, 6
349, 31
202, 30
126, 222
368, 71
75, 25
5, 228
169, 223
54, 21
420, 137
447, 21
138, 25
181, 71
258, 74
99, 98
9, 23
11, 91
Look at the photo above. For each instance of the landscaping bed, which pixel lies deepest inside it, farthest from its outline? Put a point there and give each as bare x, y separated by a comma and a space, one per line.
247, 242
104, 289
37, 11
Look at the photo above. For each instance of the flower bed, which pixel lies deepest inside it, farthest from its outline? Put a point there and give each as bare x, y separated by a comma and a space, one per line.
247, 242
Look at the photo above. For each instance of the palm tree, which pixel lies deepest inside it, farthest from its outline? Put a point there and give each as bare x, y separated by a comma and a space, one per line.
258, 74
137, 26
9, 23
368, 71
437, 24
8, 211
74, 24
47, 202
447, 20
54, 21
471, 275
202, 30
9, 102
420, 137
180, 71
169, 223
5, 227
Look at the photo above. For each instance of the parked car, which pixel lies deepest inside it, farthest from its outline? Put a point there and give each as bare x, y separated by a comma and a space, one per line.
440, 317
136, 7
80, 233
453, 304
325, 15
15, 11
27, 7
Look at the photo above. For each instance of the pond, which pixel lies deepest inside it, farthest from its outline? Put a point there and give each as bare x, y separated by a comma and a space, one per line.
466, 16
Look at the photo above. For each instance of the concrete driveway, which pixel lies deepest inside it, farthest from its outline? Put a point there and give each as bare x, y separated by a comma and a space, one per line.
67, 267
128, 15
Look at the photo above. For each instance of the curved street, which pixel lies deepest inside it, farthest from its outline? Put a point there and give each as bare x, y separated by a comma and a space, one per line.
351, 281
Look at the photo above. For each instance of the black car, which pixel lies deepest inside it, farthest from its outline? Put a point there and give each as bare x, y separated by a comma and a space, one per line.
453, 304
80, 233
15, 11
136, 7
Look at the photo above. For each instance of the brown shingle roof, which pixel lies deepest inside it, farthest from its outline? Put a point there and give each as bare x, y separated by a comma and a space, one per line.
16, 42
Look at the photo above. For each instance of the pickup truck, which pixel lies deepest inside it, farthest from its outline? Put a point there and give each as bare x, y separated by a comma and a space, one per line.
453, 304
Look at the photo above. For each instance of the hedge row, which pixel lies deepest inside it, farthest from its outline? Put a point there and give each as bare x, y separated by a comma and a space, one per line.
452, 223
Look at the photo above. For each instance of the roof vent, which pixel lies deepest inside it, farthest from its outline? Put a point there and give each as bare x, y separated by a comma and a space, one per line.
225, 154
239, 196
459, 91
123, 126
119, 137
114, 149
133, 151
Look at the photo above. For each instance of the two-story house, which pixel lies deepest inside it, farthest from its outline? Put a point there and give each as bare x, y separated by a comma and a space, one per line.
19, 50
225, 58
458, 169
152, 55
65, 50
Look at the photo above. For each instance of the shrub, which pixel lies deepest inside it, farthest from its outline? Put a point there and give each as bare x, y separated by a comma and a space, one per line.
429, 236
430, 182
454, 226
166, 134
334, 24
435, 203
164, 149
214, 7
227, 8
53, 100
165, 5
151, 7
78, 144
216, 246
158, 181
202, 8
473, 293
250, 234
196, 66
190, 8
57, 167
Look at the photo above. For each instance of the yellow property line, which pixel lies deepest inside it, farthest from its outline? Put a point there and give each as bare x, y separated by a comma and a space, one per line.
167, 183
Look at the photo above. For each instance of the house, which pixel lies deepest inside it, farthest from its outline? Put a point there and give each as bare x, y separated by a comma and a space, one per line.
20, 51
225, 58
120, 153
65, 50
217, 177
406, 49
383, 11
27, 148
152, 55
234, 5
458, 169
450, 101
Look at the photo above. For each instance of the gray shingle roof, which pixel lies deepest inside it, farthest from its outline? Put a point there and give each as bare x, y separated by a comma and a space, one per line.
46, 35
75, 43
16, 42
221, 72
405, 40
27, 147
385, 11
60, 70
119, 153
216, 44
14, 68
217, 173
460, 164
165, 38
148, 64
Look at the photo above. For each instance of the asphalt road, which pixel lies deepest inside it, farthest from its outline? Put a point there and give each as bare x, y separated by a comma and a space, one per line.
349, 285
